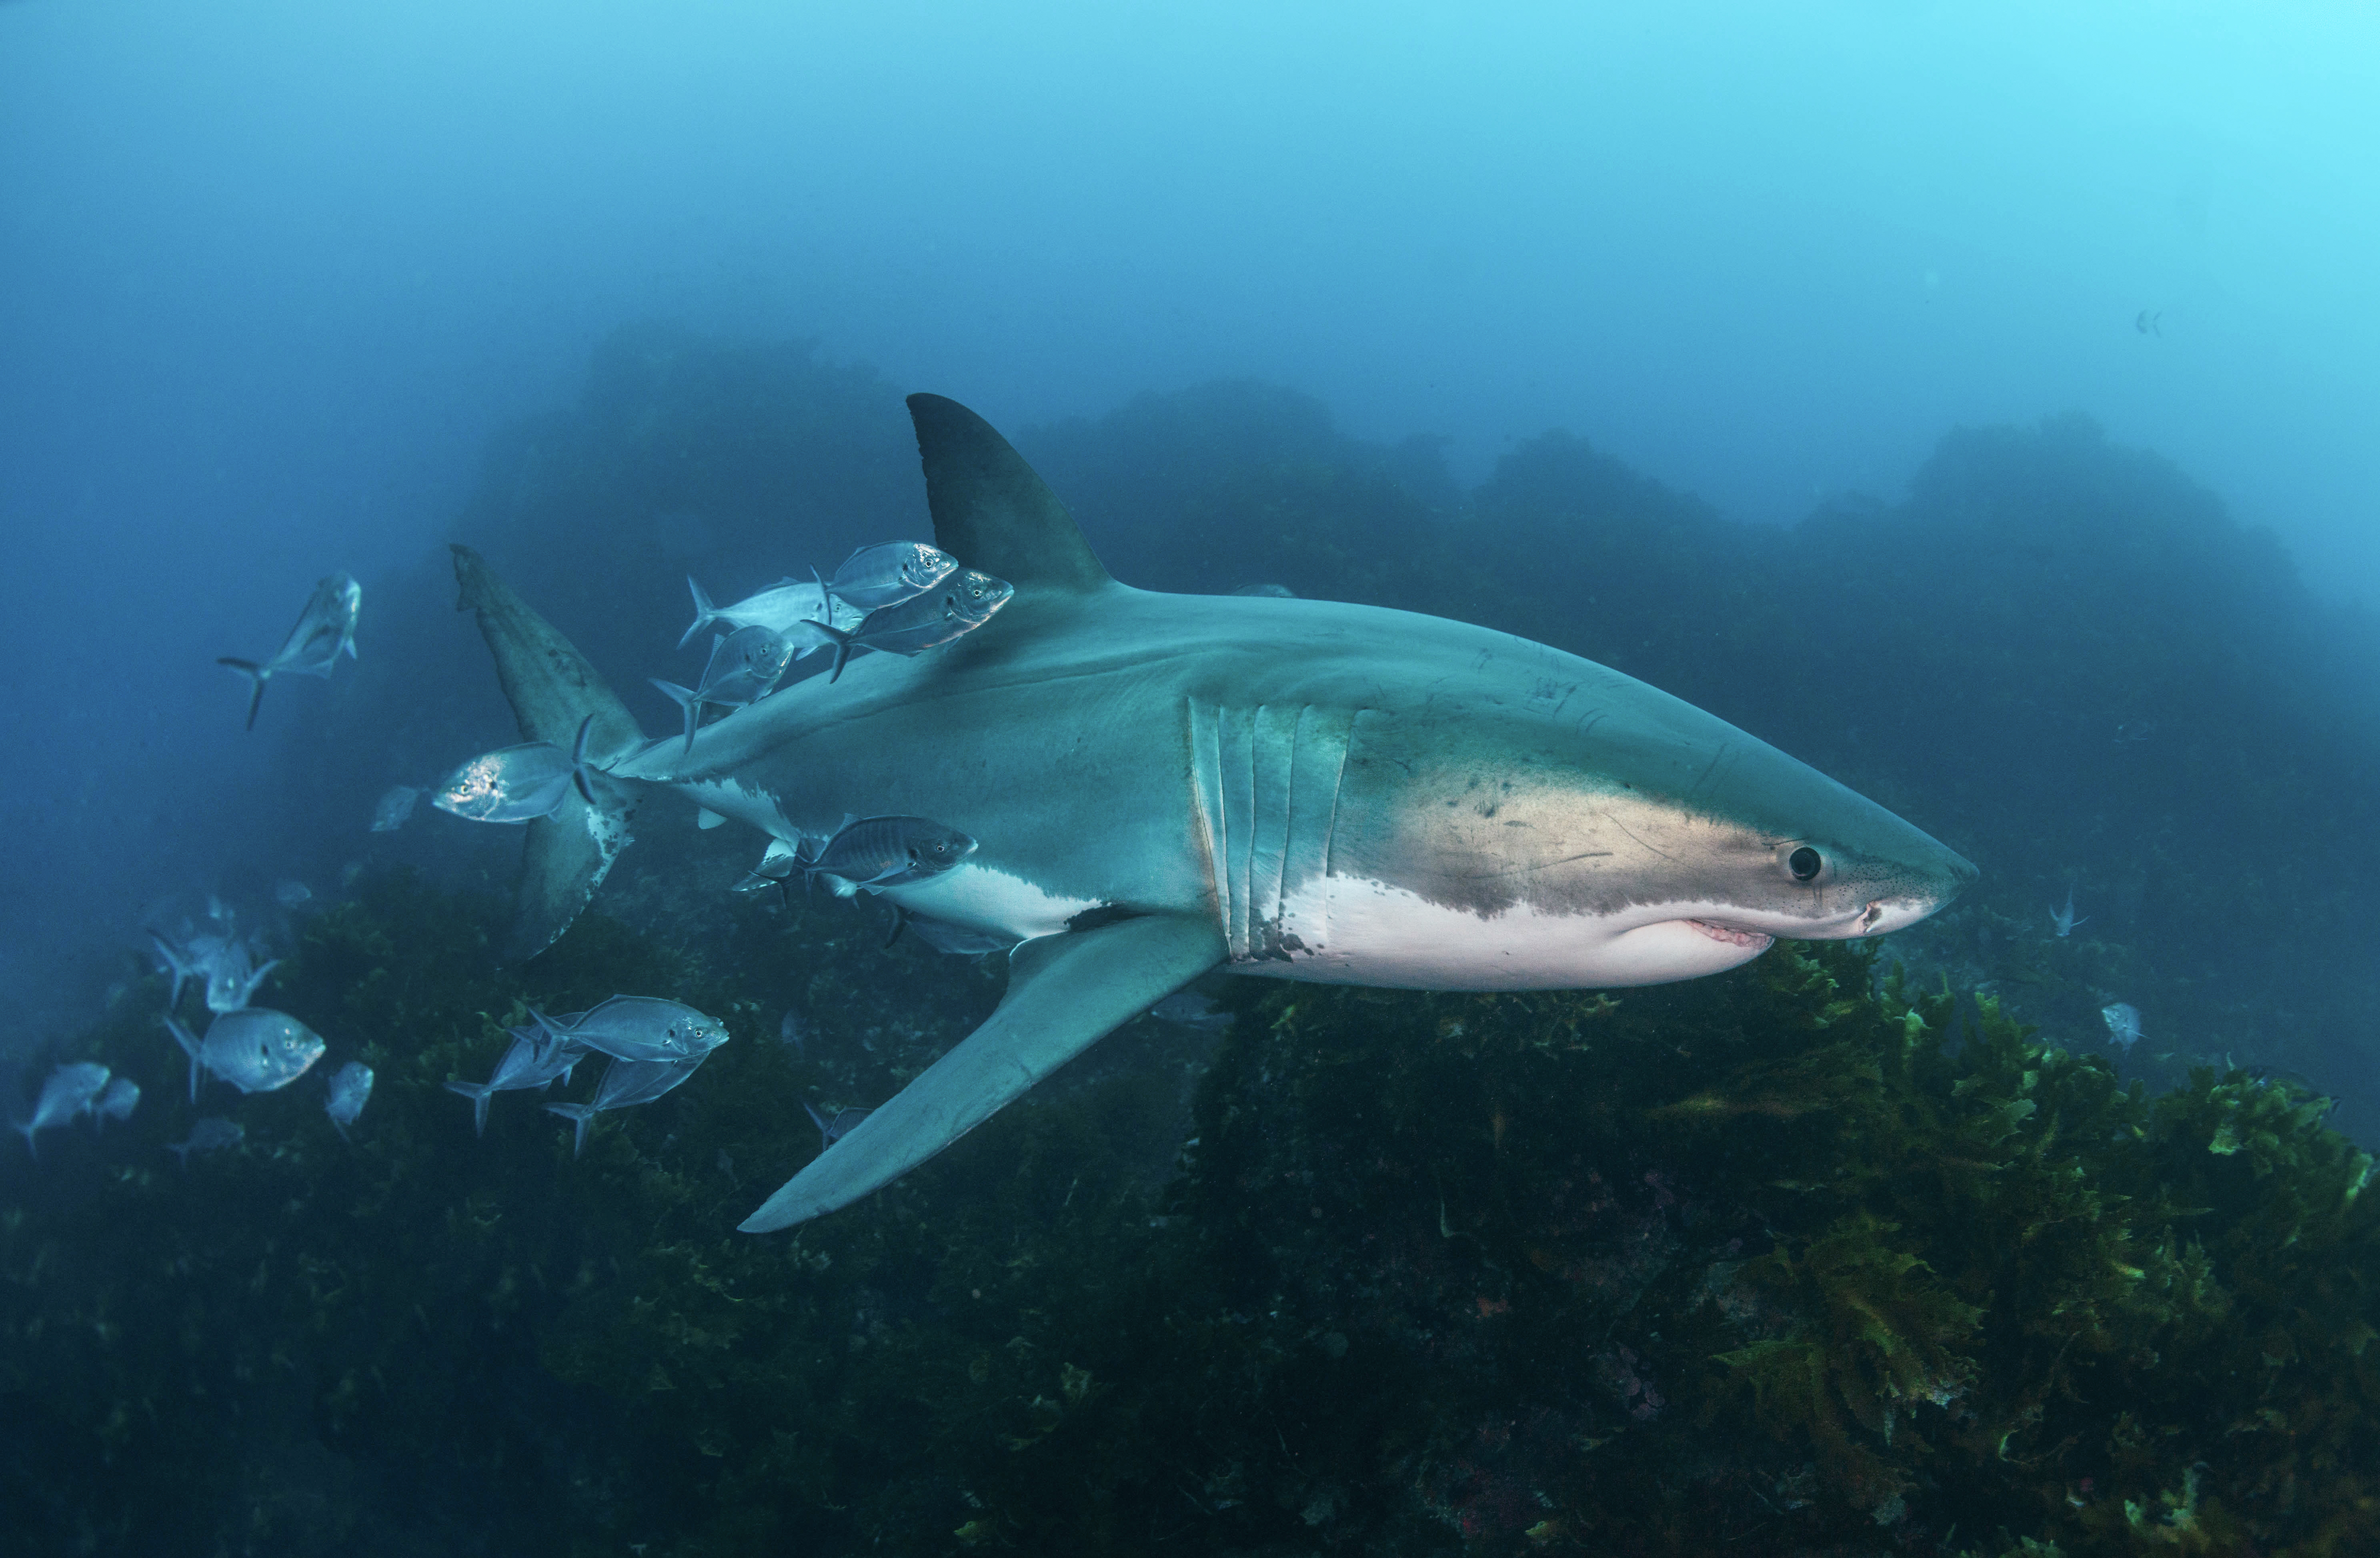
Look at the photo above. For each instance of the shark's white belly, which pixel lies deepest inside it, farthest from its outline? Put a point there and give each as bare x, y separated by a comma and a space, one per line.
1356, 931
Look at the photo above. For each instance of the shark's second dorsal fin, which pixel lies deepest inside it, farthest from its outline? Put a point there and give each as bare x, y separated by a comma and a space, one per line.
991, 511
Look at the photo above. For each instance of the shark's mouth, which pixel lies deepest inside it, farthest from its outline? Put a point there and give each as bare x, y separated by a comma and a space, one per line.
1733, 935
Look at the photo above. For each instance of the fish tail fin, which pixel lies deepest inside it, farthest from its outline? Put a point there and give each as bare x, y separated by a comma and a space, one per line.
580, 1115
554, 692
25, 1129
478, 1092
841, 641
704, 611
181, 1154
578, 769
256, 675
684, 697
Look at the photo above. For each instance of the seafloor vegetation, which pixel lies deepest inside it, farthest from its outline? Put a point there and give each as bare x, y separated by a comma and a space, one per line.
1798, 1260
1790, 1260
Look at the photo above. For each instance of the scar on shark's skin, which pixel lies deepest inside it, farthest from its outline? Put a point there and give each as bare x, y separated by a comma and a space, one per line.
1117, 841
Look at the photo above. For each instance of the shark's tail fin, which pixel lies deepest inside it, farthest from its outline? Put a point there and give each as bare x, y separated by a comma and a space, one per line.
704, 611
256, 675
557, 698
479, 1094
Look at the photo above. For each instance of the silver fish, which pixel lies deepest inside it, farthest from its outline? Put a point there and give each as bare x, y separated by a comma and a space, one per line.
258, 1050
289, 892
780, 608
189, 1044
743, 668
537, 1057
2123, 1020
1190, 1009
396, 805
67, 1093
232, 976
625, 1084
178, 965
876, 576
793, 1032
122, 1097
351, 1087
325, 629
834, 1129
887, 851
641, 1027
957, 607
2063, 921
959, 941
518, 784
207, 1134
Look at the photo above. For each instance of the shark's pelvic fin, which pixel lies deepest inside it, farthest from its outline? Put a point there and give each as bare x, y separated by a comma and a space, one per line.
556, 697
1064, 993
991, 511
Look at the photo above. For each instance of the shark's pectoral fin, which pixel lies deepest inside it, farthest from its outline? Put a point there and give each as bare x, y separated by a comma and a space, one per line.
1064, 993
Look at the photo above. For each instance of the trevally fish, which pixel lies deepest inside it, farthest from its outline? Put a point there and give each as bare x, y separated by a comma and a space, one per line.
2123, 1020
395, 806
887, 851
1190, 1009
833, 1129
537, 1057
122, 1097
743, 667
258, 1050
625, 1084
67, 1093
780, 608
179, 966
957, 607
885, 575
207, 1134
351, 1087
641, 1027
232, 976
325, 629
518, 784
959, 941
2063, 921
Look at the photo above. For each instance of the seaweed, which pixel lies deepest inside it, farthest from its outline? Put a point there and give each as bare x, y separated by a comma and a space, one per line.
1794, 1260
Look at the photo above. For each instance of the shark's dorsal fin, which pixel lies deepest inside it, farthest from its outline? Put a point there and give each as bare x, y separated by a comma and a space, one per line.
991, 511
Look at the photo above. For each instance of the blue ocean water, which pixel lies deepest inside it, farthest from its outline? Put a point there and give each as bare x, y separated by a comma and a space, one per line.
1974, 406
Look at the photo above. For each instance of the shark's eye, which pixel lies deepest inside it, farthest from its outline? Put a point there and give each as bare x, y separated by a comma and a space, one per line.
1804, 863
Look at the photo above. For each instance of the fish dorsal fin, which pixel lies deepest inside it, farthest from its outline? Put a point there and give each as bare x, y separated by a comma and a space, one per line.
991, 511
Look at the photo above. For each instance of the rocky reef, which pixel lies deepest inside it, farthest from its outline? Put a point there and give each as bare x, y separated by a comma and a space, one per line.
1796, 1260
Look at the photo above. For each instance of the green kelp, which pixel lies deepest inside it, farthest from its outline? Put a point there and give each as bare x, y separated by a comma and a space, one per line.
1782, 1261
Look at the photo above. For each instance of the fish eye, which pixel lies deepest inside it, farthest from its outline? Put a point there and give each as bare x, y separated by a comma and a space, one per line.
1804, 863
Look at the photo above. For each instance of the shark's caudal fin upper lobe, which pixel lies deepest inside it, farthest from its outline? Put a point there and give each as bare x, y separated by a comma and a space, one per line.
1065, 993
557, 698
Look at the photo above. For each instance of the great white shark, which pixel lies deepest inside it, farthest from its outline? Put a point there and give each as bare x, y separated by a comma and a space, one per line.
1162, 785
